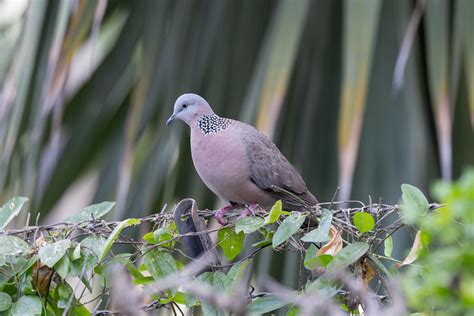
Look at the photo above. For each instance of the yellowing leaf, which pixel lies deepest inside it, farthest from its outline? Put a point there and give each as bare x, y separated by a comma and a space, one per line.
334, 245
414, 251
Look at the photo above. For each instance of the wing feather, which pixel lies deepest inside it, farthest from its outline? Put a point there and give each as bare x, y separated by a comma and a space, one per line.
271, 171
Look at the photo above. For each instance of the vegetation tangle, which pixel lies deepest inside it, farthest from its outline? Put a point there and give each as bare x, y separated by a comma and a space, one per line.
363, 95
73, 267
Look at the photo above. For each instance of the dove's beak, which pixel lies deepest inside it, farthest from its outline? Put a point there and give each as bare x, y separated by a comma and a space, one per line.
170, 120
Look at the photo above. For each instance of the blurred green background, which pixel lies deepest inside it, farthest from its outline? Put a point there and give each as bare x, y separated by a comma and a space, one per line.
361, 94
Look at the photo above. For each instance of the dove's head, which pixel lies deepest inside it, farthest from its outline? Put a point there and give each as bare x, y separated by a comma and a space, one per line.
188, 108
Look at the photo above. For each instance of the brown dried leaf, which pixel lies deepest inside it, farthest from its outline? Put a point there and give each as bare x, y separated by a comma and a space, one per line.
365, 271
41, 278
414, 251
333, 246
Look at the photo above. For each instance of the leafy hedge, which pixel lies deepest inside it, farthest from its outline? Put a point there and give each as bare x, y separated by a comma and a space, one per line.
346, 254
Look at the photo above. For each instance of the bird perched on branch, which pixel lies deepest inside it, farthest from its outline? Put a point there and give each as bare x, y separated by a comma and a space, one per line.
238, 163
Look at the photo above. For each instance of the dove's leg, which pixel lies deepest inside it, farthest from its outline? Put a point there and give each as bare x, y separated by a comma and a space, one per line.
219, 215
250, 210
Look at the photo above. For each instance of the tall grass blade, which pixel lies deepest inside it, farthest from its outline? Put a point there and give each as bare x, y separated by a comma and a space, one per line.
437, 42
270, 82
361, 21
464, 16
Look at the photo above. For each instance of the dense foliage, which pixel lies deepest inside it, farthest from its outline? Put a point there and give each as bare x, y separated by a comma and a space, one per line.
50, 269
442, 282
364, 95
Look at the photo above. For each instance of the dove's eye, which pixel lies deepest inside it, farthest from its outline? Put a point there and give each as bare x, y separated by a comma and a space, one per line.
185, 105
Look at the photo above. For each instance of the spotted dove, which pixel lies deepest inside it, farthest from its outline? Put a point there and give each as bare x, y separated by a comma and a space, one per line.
238, 163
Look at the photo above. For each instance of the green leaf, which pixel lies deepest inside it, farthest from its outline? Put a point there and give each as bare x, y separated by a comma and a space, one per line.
218, 281
5, 301
265, 304
50, 254
312, 261
76, 254
134, 271
115, 234
210, 310
249, 224
414, 204
63, 266
91, 248
323, 286
262, 243
80, 310
159, 263
364, 221
144, 280
165, 233
92, 245
27, 305
93, 211
320, 234
275, 213
190, 300
235, 274
179, 297
133, 222
79, 267
11, 209
230, 242
149, 237
287, 228
12, 245
380, 265
348, 255
64, 291
22, 265
293, 311
122, 259
388, 246
161, 234
309, 256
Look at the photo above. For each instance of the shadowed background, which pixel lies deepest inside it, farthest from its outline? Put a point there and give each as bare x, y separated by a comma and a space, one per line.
365, 95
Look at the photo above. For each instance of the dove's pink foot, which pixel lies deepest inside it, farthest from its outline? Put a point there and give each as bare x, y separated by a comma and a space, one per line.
219, 215
250, 210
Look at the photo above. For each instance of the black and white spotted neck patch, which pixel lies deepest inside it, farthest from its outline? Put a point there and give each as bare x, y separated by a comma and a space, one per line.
212, 123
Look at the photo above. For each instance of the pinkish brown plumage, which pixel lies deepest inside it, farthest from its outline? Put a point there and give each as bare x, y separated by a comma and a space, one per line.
237, 162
